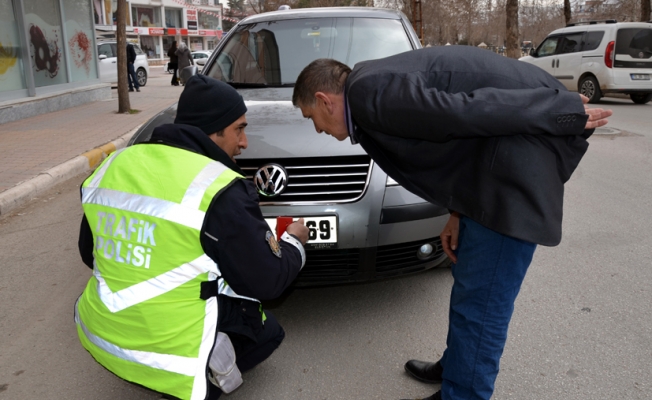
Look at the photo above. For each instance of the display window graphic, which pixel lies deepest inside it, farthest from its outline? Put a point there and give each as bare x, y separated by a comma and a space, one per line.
8, 57
81, 51
45, 51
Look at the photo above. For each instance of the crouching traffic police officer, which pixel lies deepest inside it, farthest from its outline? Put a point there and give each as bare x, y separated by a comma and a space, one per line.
181, 254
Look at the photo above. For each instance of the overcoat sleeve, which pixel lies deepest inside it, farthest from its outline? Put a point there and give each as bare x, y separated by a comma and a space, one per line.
411, 105
235, 235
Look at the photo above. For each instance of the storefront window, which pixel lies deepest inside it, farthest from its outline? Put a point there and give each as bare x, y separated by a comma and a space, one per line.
207, 21
106, 12
173, 18
146, 16
196, 44
79, 32
43, 21
149, 44
11, 64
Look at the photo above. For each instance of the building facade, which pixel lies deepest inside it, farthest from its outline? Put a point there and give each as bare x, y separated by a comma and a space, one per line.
47, 47
155, 24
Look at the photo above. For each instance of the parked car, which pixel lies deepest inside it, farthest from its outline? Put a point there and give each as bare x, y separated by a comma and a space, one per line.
363, 225
199, 57
108, 61
600, 57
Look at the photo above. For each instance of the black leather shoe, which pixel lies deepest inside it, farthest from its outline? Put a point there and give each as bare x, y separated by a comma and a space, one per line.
436, 396
423, 371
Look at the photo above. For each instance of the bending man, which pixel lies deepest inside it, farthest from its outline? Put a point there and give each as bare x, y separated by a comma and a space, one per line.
491, 139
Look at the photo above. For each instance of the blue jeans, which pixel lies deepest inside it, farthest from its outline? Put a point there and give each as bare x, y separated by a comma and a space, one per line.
132, 77
487, 278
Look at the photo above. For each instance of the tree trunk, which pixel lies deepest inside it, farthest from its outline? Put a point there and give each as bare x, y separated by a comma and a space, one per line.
511, 11
645, 10
123, 85
567, 11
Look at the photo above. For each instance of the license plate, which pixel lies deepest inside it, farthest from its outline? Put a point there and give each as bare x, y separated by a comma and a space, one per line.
640, 77
322, 230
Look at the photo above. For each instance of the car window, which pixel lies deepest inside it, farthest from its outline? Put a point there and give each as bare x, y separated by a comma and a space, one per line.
570, 43
105, 50
592, 40
274, 53
548, 47
138, 50
634, 43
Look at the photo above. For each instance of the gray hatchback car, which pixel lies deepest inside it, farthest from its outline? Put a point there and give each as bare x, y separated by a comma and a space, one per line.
363, 225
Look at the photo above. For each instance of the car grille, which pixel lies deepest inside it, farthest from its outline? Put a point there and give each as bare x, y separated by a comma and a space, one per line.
330, 264
318, 179
402, 258
336, 266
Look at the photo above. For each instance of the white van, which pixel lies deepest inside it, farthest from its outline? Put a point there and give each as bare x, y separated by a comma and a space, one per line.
599, 57
108, 55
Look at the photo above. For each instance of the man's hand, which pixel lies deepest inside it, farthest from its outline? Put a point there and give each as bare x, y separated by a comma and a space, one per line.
449, 236
597, 116
299, 230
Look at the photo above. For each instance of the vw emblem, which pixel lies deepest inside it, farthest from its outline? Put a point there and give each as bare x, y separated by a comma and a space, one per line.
271, 180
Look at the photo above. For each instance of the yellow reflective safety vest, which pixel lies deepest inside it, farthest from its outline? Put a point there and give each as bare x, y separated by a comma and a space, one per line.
141, 315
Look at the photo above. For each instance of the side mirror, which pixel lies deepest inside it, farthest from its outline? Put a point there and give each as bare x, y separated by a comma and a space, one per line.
533, 52
187, 73
102, 57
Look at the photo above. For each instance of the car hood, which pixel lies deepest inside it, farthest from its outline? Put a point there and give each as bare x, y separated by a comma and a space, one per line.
526, 59
276, 129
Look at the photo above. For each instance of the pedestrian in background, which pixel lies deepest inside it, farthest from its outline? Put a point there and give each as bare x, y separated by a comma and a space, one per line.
184, 57
491, 139
131, 71
173, 64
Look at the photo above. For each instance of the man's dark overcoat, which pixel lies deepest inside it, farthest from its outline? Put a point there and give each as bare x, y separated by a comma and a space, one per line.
490, 137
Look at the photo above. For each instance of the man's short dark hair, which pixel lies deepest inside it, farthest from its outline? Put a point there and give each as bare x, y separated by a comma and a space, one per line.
322, 75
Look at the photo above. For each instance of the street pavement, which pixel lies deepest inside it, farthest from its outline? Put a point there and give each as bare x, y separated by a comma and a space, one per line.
38, 152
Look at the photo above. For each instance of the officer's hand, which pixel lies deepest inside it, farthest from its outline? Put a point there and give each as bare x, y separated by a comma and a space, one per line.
449, 236
299, 230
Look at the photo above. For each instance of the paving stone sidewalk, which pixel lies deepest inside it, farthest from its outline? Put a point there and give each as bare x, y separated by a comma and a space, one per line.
31, 146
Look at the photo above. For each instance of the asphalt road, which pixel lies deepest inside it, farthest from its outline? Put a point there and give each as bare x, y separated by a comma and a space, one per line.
581, 330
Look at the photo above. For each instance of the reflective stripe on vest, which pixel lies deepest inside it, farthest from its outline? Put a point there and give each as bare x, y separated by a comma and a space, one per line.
188, 213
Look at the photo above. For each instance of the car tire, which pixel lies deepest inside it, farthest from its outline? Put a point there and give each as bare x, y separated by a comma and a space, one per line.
590, 88
141, 75
641, 98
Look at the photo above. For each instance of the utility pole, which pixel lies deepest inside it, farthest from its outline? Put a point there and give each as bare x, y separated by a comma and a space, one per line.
123, 95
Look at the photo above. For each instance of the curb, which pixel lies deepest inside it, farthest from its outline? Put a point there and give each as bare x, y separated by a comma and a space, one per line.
86, 162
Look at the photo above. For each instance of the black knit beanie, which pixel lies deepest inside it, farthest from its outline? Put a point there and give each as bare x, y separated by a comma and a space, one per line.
209, 104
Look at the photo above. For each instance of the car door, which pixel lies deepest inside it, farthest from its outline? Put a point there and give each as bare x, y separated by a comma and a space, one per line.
568, 63
544, 56
108, 65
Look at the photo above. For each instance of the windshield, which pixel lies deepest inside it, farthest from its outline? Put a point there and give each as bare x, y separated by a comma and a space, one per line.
274, 53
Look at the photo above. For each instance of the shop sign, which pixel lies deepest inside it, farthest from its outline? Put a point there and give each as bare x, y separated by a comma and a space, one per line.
171, 31
184, 31
207, 33
192, 25
141, 31
156, 31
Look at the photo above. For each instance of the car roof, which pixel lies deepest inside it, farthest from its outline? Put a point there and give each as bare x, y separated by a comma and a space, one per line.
601, 26
324, 12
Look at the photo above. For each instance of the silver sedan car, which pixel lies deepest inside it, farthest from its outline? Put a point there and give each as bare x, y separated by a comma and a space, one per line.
363, 225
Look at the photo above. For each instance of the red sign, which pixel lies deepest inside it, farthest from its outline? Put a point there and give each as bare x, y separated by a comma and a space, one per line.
207, 33
156, 31
184, 32
192, 15
171, 31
